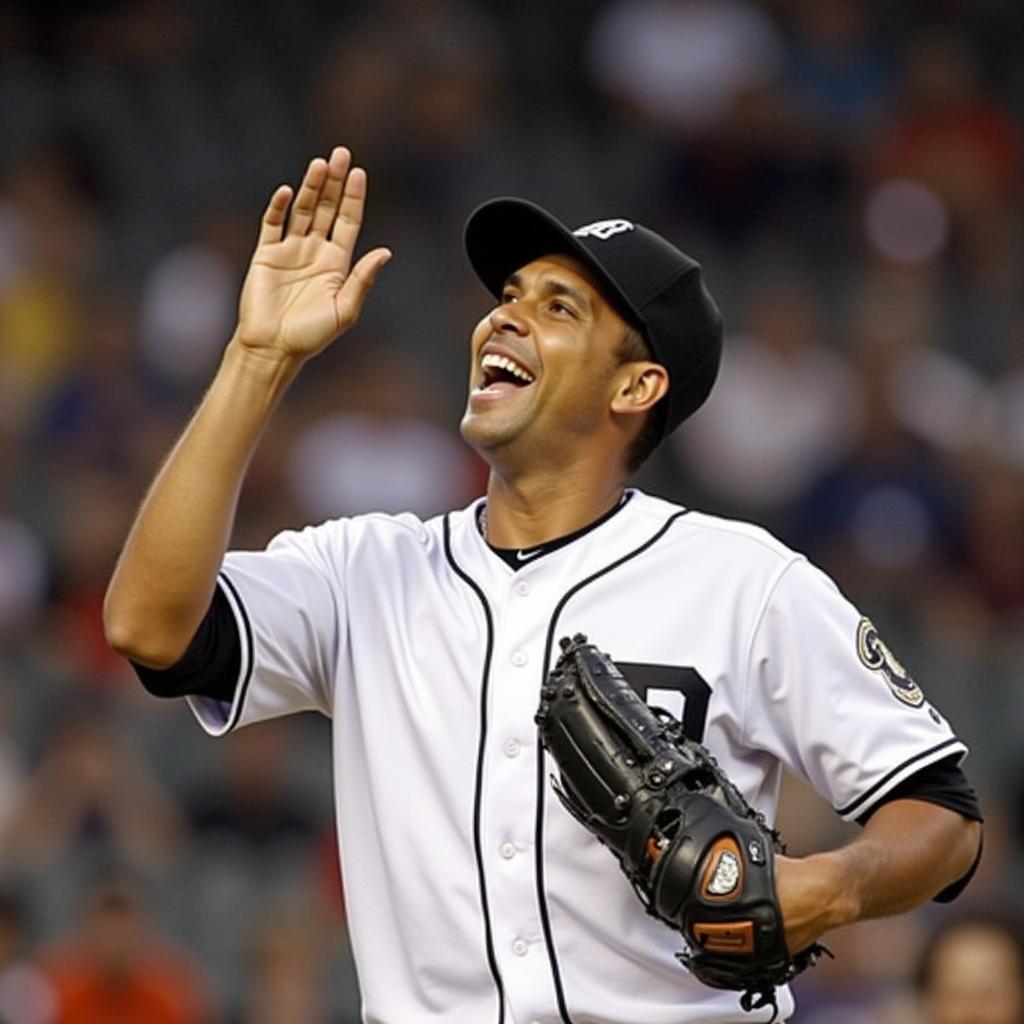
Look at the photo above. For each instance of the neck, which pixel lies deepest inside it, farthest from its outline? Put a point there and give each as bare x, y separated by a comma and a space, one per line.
526, 512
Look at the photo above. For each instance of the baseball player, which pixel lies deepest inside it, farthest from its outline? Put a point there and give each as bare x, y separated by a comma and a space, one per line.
473, 896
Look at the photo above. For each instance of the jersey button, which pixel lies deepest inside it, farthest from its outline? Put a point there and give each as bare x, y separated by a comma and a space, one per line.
520, 947
507, 850
512, 748
522, 588
519, 658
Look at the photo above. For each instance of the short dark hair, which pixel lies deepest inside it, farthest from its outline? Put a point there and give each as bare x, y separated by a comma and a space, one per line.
633, 348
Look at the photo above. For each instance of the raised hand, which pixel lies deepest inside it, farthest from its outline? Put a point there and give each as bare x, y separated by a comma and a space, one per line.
301, 291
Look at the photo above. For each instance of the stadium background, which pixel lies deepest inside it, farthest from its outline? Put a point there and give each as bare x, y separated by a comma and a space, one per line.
850, 175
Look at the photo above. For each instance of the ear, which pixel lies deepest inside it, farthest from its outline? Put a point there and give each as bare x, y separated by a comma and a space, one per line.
637, 386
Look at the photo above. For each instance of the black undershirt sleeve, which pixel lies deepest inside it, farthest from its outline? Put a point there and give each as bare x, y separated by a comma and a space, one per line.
943, 783
210, 666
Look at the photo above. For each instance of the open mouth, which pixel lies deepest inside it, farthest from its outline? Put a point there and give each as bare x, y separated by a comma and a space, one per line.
500, 373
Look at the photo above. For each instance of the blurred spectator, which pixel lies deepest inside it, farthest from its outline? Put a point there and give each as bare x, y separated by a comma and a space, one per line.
996, 538
947, 130
356, 64
143, 35
374, 448
941, 398
387, 465
90, 505
454, 61
188, 306
886, 518
26, 996
254, 801
971, 971
865, 983
258, 828
416, 88
90, 794
11, 757
701, 76
23, 575
102, 394
948, 133
784, 406
50, 243
103, 31
115, 967
287, 961
1009, 399
837, 72
683, 65
933, 394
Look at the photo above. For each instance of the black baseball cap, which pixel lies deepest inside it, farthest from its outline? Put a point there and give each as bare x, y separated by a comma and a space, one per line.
653, 286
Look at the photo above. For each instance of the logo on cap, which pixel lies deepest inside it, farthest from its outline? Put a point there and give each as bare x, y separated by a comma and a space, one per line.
603, 229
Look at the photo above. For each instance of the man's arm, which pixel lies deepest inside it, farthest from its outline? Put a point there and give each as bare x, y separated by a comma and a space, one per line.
907, 853
301, 292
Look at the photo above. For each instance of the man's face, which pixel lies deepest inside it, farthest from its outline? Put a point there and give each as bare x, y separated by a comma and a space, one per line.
543, 361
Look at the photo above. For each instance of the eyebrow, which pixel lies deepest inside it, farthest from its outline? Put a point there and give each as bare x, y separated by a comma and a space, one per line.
552, 286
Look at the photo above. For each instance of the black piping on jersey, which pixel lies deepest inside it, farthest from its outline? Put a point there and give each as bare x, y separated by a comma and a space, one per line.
545, 916
246, 673
478, 852
856, 805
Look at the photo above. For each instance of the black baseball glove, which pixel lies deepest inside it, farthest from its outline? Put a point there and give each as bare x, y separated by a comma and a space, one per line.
699, 857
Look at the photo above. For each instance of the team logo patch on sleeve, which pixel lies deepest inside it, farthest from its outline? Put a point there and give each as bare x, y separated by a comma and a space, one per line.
874, 653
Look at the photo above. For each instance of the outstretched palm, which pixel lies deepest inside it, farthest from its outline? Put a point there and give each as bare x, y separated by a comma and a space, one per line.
301, 290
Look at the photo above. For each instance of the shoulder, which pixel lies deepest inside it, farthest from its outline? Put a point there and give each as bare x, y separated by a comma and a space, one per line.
717, 538
746, 558
338, 540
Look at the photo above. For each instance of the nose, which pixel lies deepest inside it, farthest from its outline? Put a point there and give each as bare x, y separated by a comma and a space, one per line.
505, 318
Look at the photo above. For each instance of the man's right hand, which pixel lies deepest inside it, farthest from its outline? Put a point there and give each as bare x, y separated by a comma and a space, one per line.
301, 291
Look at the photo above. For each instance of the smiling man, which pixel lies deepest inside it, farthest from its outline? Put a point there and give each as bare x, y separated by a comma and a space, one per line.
473, 897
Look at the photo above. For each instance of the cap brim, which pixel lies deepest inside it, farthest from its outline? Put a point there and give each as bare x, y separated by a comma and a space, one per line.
503, 235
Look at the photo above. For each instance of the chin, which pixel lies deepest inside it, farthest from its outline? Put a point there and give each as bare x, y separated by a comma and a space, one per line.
486, 435
478, 435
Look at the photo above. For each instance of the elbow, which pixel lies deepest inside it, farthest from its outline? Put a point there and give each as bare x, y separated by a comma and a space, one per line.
963, 861
968, 850
130, 634
118, 629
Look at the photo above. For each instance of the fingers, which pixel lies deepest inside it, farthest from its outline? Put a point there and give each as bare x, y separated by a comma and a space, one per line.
307, 197
350, 211
330, 199
358, 284
327, 205
274, 215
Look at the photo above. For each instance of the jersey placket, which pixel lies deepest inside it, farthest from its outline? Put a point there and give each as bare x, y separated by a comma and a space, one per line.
508, 793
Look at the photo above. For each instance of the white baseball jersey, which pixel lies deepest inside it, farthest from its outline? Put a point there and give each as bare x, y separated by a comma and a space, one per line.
473, 896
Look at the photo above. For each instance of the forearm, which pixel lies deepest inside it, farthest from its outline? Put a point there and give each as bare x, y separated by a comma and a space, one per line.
908, 852
165, 575
301, 292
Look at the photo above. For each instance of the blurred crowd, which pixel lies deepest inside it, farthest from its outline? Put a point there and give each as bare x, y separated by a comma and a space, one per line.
849, 173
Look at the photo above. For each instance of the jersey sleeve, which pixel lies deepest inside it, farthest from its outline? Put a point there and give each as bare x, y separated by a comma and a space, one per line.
209, 666
943, 783
828, 698
288, 609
